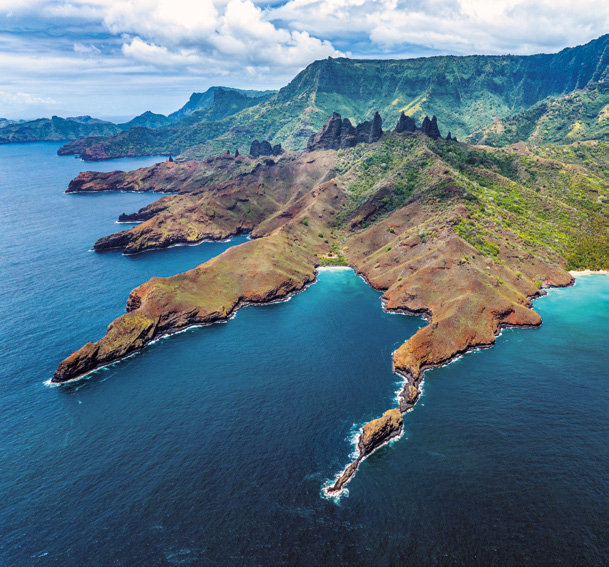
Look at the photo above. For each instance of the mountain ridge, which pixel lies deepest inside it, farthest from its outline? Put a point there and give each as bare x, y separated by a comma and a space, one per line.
469, 92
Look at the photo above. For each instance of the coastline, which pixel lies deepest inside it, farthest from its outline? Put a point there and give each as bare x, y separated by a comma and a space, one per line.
406, 405
577, 273
170, 333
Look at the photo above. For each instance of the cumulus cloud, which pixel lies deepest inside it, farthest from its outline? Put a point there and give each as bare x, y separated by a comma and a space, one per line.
20, 98
263, 43
158, 55
172, 21
461, 26
237, 33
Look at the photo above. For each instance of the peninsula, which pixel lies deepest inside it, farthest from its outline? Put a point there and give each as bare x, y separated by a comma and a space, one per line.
464, 235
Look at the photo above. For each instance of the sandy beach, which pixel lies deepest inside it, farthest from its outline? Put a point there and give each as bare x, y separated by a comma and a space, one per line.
576, 273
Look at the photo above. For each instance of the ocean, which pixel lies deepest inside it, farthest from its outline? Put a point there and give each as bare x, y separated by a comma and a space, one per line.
211, 447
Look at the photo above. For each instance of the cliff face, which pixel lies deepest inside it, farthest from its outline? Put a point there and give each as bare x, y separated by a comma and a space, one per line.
576, 116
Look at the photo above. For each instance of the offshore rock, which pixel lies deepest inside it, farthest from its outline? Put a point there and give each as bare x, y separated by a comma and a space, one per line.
379, 431
339, 133
405, 124
374, 434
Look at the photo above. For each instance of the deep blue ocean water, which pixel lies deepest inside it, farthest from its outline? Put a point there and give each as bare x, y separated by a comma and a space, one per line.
211, 447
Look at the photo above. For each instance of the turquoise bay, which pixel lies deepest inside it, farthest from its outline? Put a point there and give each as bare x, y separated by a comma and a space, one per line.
211, 447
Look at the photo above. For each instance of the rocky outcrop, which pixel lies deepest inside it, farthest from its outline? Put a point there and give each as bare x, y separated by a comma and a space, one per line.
430, 127
264, 148
405, 124
374, 434
339, 133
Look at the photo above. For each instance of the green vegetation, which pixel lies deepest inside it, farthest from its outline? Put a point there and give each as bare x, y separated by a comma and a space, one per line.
548, 200
55, 129
339, 260
591, 249
580, 115
466, 93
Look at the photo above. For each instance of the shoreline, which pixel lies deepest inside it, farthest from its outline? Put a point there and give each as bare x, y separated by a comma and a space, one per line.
171, 333
577, 273
407, 379
176, 244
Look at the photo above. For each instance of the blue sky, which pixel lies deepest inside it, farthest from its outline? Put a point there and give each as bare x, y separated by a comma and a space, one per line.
111, 58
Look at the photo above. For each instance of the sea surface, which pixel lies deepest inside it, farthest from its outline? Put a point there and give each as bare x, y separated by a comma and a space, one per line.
211, 447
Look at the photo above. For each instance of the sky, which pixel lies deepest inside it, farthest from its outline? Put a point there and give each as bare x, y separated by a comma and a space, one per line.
119, 58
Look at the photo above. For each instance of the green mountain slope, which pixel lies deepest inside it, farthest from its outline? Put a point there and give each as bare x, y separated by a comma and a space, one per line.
580, 115
147, 120
201, 101
468, 93
55, 129
214, 104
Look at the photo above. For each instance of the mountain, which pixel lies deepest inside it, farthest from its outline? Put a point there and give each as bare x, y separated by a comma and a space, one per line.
148, 120
140, 140
579, 115
468, 92
226, 102
56, 129
201, 101
87, 120
214, 104
6, 122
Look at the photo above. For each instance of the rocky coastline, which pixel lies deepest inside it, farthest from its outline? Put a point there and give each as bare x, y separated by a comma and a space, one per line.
304, 207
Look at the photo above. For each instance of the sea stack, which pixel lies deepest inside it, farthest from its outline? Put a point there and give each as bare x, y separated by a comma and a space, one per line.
374, 434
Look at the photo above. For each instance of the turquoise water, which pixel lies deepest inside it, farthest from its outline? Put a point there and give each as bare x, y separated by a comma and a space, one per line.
211, 447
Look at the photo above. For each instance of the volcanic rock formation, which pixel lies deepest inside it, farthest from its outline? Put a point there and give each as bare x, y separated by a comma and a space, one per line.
374, 434
339, 133
430, 127
405, 124
264, 148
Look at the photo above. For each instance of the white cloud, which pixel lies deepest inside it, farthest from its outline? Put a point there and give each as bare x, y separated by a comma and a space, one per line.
108, 45
469, 26
172, 21
86, 49
25, 99
159, 56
